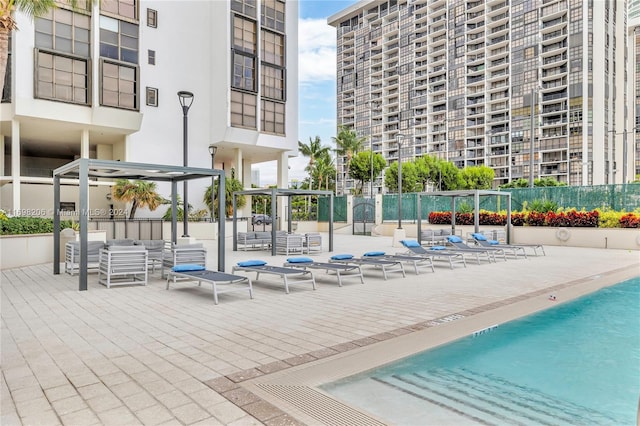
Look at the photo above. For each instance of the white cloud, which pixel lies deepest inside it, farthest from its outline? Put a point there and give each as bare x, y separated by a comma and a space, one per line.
316, 51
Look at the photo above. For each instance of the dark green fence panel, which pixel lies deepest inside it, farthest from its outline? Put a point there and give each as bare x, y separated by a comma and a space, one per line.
615, 197
366, 210
339, 209
390, 207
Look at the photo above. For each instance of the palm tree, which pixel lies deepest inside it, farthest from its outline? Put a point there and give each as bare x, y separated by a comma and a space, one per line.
314, 150
324, 170
347, 145
231, 184
140, 193
32, 8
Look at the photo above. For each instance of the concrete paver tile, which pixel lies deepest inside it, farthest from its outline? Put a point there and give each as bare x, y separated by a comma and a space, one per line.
118, 416
226, 412
209, 421
173, 399
47, 417
84, 380
154, 415
240, 397
221, 384
262, 410
124, 389
115, 378
139, 401
82, 417
284, 420
69, 405
190, 413
25, 394
30, 406
94, 390
245, 421
103, 403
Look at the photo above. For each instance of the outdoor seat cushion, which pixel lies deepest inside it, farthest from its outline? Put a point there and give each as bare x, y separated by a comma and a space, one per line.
299, 259
454, 239
374, 253
410, 243
187, 267
263, 235
342, 257
252, 263
437, 248
478, 236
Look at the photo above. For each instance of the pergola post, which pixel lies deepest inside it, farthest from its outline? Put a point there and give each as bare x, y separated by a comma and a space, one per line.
222, 220
56, 225
84, 221
274, 208
419, 224
174, 211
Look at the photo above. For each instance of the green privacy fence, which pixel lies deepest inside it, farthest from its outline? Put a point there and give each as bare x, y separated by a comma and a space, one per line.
339, 209
615, 197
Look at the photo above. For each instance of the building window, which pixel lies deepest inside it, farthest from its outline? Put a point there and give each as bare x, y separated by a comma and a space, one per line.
243, 109
118, 40
273, 48
244, 35
64, 31
61, 78
244, 72
273, 14
272, 117
152, 96
246, 7
151, 54
119, 83
123, 8
273, 82
152, 18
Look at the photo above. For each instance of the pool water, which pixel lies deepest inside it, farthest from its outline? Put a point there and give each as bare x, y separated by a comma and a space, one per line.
577, 363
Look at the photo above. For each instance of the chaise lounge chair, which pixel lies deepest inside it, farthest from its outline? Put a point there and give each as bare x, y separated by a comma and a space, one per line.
384, 265
341, 270
260, 267
459, 245
418, 262
434, 253
482, 240
216, 279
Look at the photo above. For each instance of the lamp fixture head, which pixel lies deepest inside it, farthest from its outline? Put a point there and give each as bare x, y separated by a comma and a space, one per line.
185, 98
212, 150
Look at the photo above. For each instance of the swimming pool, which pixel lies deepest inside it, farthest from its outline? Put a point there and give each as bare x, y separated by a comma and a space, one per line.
577, 363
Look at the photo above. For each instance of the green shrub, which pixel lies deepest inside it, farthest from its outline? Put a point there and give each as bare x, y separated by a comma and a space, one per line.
543, 206
610, 219
30, 225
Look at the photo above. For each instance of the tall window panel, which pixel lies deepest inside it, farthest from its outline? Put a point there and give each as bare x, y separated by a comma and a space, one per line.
273, 82
272, 48
62, 41
118, 40
244, 72
119, 85
273, 14
245, 7
244, 35
243, 109
124, 8
273, 117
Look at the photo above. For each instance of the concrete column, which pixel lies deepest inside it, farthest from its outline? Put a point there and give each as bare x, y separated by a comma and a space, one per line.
15, 164
84, 144
246, 181
237, 161
283, 182
1, 154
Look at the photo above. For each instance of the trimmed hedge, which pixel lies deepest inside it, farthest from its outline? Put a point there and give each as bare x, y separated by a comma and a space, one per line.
30, 225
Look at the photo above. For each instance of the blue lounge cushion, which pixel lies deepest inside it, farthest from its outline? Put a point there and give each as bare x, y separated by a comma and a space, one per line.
342, 257
299, 259
494, 242
437, 248
454, 239
374, 253
478, 236
188, 267
252, 263
410, 243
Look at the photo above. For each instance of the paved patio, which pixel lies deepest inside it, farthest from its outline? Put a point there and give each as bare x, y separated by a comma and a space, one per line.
145, 355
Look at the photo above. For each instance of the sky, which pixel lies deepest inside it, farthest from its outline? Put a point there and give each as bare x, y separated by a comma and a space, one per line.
316, 82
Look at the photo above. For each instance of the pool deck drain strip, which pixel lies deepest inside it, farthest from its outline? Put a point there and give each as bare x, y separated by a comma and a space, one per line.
292, 383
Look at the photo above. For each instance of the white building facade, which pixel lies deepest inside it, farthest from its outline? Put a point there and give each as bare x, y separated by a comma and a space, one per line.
103, 84
461, 80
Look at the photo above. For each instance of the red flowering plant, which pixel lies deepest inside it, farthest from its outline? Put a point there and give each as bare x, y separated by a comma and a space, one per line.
464, 218
630, 220
518, 218
490, 218
440, 218
535, 219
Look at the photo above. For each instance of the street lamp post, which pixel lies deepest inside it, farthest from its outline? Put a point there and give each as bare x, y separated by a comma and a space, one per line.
212, 151
400, 140
186, 99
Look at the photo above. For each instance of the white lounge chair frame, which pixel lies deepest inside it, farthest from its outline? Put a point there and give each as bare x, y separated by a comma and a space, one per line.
216, 279
340, 270
123, 265
384, 265
303, 276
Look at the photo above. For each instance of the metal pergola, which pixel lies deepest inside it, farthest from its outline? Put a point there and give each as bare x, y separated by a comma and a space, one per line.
476, 193
274, 193
84, 169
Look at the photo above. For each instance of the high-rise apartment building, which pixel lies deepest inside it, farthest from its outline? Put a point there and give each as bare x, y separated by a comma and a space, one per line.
633, 84
470, 81
102, 83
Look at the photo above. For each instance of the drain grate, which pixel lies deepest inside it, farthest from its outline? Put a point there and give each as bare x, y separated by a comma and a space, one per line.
446, 319
323, 408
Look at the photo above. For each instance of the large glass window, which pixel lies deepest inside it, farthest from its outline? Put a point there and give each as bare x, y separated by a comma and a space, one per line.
244, 72
125, 8
118, 40
119, 85
246, 7
273, 82
62, 40
244, 35
243, 109
273, 117
273, 14
61, 78
273, 48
